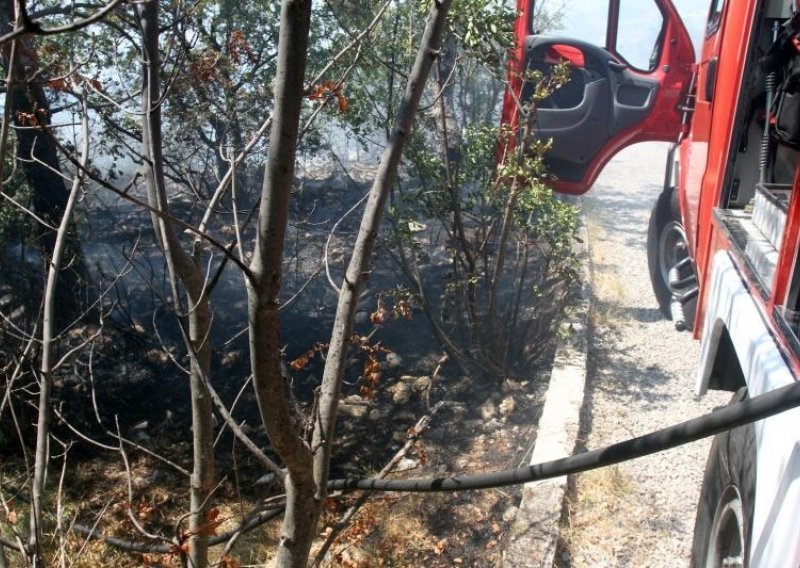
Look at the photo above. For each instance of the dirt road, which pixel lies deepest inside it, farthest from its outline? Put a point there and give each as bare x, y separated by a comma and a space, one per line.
641, 378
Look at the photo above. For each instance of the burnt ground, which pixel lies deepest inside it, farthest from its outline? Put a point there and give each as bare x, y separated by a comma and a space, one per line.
131, 381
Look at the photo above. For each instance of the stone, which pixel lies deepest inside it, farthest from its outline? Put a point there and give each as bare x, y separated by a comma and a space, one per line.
406, 464
401, 392
458, 409
146, 479
510, 514
358, 410
510, 385
422, 384
507, 406
393, 360
493, 425
487, 410
265, 479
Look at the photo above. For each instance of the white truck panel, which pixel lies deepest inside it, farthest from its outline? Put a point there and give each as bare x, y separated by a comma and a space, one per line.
776, 532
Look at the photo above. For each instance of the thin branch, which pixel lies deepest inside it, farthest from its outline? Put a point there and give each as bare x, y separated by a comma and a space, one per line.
239, 433
223, 184
13, 545
124, 194
34, 27
80, 434
330, 236
129, 478
413, 435
288, 303
12, 61
41, 456
94, 526
252, 521
27, 211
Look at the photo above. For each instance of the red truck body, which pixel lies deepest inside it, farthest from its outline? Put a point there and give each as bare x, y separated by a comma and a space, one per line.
724, 235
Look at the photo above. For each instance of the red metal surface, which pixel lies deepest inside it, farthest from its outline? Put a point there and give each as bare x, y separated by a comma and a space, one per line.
664, 121
790, 247
694, 148
565, 53
523, 27
712, 131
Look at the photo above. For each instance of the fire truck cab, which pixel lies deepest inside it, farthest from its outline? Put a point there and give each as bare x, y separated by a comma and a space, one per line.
724, 235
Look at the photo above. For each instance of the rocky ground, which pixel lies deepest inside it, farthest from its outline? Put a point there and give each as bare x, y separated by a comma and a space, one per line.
130, 381
641, 378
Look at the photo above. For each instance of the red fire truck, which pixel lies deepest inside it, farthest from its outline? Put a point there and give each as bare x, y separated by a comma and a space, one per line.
724, 235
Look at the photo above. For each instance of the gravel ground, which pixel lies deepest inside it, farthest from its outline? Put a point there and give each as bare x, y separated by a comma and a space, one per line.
641, 378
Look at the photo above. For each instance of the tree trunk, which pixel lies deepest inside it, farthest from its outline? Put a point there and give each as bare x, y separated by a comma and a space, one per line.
30, 111
264, 287
358, 268
42, 455
187, 271
446, 69
306, 488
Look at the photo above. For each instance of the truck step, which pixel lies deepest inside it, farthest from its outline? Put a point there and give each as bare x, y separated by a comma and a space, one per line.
678, 317
754, 248
681, 276
769, 211
676, 307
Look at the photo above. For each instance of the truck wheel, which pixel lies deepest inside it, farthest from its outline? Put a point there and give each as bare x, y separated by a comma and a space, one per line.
725, 513
672, 272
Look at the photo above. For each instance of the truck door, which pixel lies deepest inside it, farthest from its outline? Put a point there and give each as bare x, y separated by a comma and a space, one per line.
625, 87
694, 153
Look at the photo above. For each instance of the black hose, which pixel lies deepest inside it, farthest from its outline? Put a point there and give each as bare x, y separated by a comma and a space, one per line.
720, 420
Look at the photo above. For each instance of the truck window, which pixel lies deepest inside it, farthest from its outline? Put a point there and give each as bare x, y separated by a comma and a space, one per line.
714, 17
576, 19
639, 33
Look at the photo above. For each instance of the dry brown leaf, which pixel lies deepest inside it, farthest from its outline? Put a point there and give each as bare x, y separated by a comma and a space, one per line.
228, 561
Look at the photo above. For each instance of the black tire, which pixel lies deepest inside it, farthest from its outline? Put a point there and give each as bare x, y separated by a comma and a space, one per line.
724, 523
666, 247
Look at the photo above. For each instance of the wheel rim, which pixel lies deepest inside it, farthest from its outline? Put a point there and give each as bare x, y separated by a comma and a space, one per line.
672, 248
726, 548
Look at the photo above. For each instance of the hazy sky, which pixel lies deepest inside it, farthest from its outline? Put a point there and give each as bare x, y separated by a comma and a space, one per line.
587, 19
694, 14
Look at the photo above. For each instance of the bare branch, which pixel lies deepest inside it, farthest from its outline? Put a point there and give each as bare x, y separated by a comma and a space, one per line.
34, 27
413, 435
358, 268
12, 58
252, 521
330, 237
48, 323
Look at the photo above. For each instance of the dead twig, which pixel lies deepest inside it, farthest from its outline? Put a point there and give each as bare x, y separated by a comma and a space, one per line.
413, 435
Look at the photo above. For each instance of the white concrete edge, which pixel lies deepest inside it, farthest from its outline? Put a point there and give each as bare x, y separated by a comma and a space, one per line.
536, 530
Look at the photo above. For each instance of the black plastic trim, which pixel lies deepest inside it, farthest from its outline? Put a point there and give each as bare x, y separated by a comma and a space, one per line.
714, 18
711, 79
742, 109
787, 332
